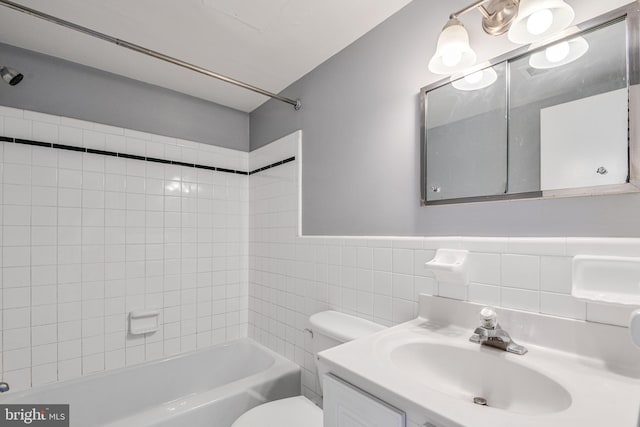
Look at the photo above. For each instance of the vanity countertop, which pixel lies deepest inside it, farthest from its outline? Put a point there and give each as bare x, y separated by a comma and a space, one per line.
544, 387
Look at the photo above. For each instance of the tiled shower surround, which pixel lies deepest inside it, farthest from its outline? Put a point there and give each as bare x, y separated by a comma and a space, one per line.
292, 277
86, 238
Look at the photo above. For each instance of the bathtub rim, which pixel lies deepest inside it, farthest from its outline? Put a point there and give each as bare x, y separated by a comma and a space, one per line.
278, 361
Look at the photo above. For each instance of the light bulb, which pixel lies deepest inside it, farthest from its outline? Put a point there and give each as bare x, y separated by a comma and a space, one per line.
451, 57
474, 78
557, 52
539, 21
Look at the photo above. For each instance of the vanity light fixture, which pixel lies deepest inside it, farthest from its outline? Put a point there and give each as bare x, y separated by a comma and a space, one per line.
538, 19
453, 52
477, 80
559, 54
525, 20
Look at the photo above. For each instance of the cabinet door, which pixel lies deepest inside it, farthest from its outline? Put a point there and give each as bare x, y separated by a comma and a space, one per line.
347, 406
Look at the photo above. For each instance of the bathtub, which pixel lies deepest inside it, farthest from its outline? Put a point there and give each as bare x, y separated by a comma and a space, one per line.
206, 388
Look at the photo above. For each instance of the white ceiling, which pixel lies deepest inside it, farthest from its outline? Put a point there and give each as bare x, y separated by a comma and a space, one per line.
267, 43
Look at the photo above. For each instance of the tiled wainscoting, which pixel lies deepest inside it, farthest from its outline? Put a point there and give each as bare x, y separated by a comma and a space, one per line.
87, 237
292, 277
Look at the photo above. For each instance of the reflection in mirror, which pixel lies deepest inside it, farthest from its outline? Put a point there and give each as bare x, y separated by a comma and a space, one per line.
466, 130
568, 114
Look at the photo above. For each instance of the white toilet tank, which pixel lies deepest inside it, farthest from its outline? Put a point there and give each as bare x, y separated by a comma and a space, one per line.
331, 328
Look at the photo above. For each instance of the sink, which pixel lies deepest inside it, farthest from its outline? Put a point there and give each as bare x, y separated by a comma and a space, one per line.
428, 368
479, 372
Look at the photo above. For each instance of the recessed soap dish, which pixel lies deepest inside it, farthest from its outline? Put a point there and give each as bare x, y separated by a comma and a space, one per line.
606, 279
449, 266
143, 321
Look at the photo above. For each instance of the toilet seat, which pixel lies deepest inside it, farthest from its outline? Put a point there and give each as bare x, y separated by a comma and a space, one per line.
291, 412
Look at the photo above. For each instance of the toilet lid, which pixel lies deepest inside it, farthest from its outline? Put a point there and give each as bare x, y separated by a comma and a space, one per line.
295, 411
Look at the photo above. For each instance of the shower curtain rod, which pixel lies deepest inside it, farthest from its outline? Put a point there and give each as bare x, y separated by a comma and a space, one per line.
140, 49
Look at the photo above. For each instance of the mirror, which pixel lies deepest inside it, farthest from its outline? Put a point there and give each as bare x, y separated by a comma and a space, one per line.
568, 117
467, 136
548, 122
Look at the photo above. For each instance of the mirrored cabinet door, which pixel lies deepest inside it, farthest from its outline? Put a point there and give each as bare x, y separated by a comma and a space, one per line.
568, 113
466, 130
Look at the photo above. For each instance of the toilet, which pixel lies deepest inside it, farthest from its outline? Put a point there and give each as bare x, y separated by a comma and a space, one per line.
330, 329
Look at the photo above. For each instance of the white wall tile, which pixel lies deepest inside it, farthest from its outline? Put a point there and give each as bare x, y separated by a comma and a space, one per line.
425, 285
521, 271
403, 261
453, 291
18, 128
602, 246
537, 246
46, 132
13, 339
609, 314
555, 274
520, 299
70, 135
364, 258
421, 257
17, 153
484, 294
382, 259
562, 305
403, 286
403, 310
44, 374
382, 283
86, 237
484, 268
11, 112
41, 156
19, 379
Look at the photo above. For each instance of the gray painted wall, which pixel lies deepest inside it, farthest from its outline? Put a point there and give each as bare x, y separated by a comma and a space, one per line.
63, 88
361, 144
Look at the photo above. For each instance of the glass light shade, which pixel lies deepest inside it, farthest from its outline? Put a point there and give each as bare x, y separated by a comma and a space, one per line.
538, 19
478, 80
453, 53
559, 54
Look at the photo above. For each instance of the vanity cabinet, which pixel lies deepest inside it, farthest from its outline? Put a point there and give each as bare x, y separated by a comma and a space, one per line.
348, 406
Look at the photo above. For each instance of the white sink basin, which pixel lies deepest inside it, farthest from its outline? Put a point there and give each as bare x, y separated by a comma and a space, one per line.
575, 374
480, 372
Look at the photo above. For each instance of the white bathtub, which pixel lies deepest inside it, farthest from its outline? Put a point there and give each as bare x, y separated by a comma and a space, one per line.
207, 388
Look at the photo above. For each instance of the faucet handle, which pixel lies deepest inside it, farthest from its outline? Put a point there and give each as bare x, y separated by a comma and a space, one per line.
489, 318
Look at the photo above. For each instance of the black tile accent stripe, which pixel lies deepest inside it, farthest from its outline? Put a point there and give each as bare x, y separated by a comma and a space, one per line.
273, 165
131, 156
211, 168
104, 153
135, 157
30, 142
189, 165
69, 147
152, 159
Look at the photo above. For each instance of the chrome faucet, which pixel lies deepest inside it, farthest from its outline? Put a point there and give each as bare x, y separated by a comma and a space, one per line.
490, 333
